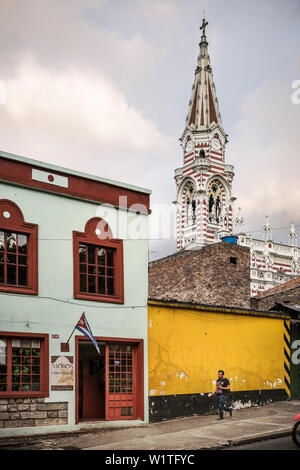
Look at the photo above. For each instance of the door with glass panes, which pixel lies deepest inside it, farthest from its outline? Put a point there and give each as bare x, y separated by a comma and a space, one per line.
120, 381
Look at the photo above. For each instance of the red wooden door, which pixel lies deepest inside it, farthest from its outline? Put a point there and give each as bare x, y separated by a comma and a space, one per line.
120, 381
93, 387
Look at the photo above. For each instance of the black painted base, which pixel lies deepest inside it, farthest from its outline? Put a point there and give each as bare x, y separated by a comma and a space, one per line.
179, 406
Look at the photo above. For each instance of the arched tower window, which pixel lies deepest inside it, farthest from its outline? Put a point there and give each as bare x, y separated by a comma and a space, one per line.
202, 153
210, 204
190, 203
218, 208
194, 210
214, 201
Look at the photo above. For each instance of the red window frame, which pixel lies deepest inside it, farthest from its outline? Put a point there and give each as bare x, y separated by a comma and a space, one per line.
44, 365
14, 222
98, 234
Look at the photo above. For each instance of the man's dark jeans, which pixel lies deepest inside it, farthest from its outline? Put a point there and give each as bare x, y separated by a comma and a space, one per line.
221, 405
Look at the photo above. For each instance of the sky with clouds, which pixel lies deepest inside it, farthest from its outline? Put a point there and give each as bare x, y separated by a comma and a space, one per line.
102, 86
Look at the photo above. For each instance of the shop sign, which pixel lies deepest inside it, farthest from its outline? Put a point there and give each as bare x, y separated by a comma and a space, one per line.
62, 372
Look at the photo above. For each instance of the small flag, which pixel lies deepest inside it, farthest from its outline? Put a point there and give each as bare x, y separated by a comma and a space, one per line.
84, 328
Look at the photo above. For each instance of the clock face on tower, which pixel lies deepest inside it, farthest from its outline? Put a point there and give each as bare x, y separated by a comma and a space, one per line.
189, 147
215, 144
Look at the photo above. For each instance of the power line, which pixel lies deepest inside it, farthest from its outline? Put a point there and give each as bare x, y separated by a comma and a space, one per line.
274, 228
77, 304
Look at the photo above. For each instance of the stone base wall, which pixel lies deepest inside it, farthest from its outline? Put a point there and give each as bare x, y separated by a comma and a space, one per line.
27, 412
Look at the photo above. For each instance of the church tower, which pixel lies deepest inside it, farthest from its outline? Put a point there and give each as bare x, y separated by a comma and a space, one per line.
204, 201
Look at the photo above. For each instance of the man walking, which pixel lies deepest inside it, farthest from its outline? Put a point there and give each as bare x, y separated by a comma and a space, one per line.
222, 390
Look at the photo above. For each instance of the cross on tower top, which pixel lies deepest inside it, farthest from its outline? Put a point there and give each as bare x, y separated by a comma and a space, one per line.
204, 24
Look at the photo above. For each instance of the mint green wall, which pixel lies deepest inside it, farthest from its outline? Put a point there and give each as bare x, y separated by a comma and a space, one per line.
54, 310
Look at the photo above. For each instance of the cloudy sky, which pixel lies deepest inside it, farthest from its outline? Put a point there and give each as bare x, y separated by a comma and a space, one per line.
102, 86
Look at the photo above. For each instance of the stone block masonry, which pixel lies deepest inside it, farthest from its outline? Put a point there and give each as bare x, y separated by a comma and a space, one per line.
28, 412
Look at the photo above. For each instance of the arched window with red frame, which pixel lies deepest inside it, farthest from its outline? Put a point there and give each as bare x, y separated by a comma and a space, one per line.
98, 263
18, 251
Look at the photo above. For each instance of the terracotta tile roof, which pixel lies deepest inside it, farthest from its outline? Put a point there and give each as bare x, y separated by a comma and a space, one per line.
205, 276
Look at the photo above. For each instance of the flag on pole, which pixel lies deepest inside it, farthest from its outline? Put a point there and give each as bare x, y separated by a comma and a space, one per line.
83, 326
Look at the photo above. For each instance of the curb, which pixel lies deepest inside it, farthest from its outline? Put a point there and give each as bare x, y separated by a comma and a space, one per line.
260, 437
250, 439
14, 441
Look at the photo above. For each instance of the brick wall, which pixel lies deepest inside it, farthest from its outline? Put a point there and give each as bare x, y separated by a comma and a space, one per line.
23, 412
203, 276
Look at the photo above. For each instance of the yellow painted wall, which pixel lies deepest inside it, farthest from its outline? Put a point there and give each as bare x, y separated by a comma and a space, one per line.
188, 347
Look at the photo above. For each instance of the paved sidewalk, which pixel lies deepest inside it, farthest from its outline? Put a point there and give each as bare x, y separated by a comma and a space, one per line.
198, 432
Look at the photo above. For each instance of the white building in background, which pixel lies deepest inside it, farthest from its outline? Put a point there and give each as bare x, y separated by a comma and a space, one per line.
271, 263
204, 199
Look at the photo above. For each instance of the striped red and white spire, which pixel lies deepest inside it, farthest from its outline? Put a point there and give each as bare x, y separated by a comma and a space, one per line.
204, 182
203, 113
